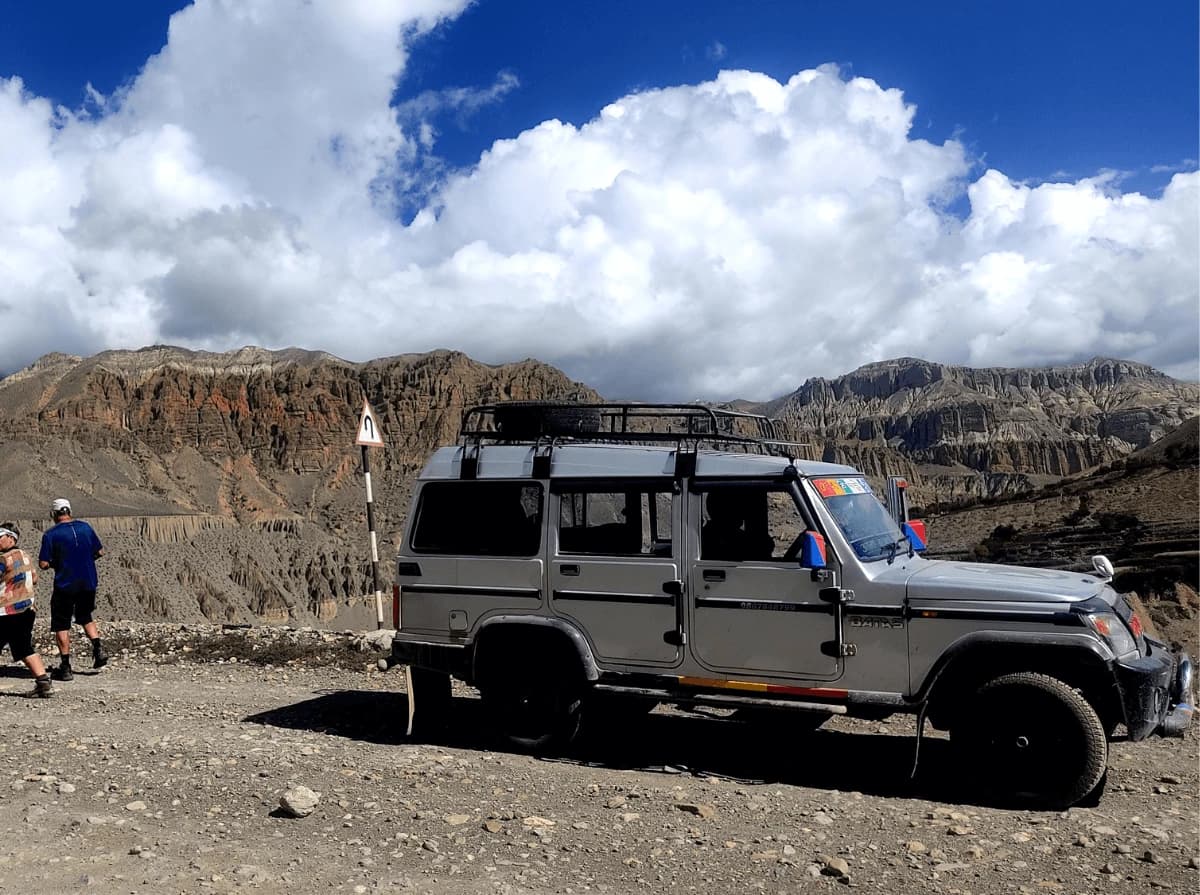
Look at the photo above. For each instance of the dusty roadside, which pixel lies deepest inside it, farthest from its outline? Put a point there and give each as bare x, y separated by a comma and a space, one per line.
163, 773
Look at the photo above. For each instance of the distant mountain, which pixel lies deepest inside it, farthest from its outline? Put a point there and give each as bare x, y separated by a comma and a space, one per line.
1141, 511
960, 432
228, 485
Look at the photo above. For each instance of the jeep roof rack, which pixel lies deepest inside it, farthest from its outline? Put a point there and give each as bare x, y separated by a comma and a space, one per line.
547, 423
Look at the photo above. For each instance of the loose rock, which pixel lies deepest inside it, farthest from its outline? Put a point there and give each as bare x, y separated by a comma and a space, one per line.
299, 801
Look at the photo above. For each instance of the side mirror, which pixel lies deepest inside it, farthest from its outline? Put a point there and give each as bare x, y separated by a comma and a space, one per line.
914, 529
812, 550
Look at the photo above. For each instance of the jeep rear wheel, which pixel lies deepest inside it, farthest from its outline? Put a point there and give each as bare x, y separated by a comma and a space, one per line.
1031, 739
534, 713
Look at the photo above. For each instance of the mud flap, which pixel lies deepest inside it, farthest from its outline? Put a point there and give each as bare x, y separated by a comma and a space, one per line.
912, 774
435, 694
412, 699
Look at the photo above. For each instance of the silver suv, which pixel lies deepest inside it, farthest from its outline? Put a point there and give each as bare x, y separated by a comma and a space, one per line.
568, 559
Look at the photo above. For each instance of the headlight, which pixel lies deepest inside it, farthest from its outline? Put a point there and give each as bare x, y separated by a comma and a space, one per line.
1109, 626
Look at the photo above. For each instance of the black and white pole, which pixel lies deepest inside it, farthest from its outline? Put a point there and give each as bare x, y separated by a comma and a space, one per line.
369, 436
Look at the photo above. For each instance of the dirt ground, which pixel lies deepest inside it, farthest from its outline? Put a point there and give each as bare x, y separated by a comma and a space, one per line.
163, 774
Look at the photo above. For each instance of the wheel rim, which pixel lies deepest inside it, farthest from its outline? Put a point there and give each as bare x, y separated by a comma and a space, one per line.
527, 714
1031, 743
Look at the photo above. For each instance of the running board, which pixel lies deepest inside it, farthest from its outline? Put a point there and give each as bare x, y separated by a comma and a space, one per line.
718, 699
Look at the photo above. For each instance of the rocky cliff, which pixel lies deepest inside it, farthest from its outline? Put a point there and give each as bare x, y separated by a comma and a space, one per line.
959, 432
228, 488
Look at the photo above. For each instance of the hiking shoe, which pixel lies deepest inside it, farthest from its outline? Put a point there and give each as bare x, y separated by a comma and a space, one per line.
63, 673
42, 688
99, 657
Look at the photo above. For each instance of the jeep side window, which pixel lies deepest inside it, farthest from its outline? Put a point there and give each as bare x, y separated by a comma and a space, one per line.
615, 523
749, 522
477, 518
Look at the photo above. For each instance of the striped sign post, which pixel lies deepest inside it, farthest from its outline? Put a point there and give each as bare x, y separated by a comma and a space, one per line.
370, 435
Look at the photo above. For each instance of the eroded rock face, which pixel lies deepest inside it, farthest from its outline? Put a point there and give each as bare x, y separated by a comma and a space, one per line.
963, 432
228, 487
289, 411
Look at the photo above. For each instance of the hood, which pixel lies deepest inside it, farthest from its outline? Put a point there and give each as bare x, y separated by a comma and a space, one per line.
945, 580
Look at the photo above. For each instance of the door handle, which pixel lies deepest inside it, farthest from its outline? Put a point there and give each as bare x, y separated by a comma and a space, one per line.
676, 637
571, 569
714, 575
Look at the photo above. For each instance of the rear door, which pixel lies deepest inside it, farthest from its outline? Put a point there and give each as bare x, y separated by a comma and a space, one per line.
754, 610
475, 551
613, 549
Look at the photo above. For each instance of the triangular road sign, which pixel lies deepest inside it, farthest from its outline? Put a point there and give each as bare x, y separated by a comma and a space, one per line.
369, 433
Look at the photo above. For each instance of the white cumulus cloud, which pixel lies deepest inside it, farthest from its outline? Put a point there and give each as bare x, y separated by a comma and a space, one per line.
714, 240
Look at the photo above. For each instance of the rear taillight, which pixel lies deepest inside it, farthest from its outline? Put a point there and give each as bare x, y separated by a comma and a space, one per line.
1135, 625
396, 607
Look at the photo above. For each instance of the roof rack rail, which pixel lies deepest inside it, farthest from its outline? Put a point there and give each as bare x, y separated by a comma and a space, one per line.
551, 422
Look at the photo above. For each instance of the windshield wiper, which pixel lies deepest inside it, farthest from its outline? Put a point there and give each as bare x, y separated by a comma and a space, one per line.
895, 545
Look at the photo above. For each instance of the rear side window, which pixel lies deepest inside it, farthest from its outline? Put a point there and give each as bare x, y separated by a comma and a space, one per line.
635, 522
479, 519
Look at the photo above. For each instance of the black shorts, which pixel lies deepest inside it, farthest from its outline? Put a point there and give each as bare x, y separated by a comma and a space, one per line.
67, 603
17, 631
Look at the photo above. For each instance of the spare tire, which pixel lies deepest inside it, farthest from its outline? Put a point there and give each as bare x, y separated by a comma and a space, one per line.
519, 420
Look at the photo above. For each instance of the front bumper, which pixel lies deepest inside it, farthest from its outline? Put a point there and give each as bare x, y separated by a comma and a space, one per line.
1156, 692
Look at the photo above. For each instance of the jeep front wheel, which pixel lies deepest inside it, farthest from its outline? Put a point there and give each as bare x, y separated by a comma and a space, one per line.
1031, 739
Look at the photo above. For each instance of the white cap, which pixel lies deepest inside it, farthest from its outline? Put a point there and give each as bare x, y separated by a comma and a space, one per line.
10, 533
61, 505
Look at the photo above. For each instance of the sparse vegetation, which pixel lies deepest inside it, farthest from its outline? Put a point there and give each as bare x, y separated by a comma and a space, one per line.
1117, 521
1081, 512
254, 646
1002, 533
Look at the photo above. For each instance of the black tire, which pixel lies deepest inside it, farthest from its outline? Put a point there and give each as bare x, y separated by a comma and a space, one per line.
1029, 739
535, 712
519, 420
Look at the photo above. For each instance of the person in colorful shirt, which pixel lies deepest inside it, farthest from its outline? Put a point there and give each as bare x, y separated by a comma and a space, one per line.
17, 578
71, 548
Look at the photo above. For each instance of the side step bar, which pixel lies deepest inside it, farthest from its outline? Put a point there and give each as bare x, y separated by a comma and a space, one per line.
717, 699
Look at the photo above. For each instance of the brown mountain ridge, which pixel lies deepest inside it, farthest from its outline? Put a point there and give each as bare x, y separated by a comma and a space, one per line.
228, 488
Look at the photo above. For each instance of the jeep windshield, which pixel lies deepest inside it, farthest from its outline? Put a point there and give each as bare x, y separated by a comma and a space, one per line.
865, 523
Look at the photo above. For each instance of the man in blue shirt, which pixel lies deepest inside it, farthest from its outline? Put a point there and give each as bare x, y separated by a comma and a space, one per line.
70, 547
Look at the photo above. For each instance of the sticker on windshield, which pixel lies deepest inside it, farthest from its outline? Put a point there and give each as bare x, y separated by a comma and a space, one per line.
838, 487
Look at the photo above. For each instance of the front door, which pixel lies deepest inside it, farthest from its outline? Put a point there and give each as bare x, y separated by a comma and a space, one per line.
613, 550
754, 610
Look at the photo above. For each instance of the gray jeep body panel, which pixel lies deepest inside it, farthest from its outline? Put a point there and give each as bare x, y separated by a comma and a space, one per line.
940, 580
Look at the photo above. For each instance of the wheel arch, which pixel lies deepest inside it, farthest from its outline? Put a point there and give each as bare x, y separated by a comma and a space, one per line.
970, 662
552, 638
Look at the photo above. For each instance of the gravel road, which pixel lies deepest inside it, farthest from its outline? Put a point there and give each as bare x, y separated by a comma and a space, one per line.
163, 773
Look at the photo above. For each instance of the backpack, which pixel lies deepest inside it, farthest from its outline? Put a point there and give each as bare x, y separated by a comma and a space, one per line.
16, 581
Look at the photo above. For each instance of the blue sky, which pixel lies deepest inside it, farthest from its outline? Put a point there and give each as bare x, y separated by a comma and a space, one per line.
1040, 90
1009, 202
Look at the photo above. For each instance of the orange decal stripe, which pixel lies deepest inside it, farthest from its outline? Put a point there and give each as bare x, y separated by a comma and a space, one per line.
754, 686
